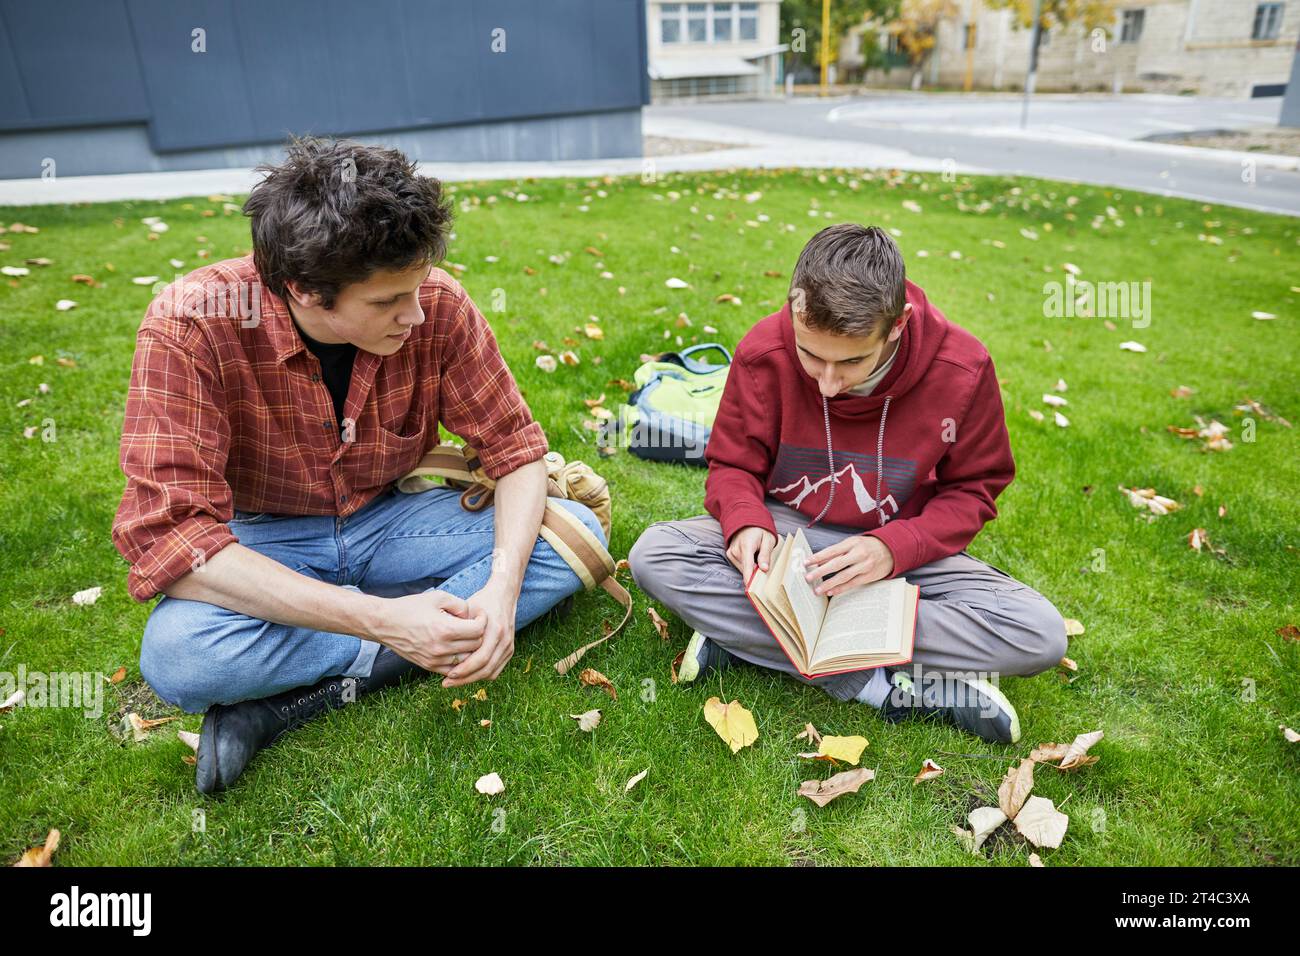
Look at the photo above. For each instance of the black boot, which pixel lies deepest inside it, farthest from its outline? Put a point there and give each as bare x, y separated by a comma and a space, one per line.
233, 733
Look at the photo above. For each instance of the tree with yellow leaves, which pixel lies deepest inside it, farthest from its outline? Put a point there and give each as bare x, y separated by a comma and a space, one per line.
915, 30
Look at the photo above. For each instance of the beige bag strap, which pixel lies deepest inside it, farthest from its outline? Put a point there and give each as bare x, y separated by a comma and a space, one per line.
572, 540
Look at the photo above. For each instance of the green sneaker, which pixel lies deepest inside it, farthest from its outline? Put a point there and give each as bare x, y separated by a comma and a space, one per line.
974, 705
701, 658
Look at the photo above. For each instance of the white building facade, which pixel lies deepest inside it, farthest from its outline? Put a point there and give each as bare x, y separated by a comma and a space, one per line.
714, 50
1232, 48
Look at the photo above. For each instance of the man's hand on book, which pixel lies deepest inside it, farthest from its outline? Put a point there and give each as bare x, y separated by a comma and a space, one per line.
745, 544
856, 560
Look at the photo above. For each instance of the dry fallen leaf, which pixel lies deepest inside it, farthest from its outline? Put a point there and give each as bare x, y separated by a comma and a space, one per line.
1289, 734
594, 678
40, 855
189, 739
13, 700
88, 596
635, 780
1076, 755
809, 734
983, 821
929, 770
140, 727
1041, 823
1015, 788
848, 749
490, 784
660, 624
822, 792
1073, 628
587, 722
734, 723
1035, 860
1048, 753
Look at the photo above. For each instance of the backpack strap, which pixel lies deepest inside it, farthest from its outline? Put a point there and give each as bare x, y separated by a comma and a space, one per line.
572, 540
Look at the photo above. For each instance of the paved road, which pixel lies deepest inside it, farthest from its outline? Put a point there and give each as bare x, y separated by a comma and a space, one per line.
1093, 139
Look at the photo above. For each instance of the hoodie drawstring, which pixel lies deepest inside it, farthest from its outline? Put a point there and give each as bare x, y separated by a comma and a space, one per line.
830, 460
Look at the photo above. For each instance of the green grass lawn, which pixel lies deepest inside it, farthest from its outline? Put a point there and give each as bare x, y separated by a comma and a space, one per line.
1181, 664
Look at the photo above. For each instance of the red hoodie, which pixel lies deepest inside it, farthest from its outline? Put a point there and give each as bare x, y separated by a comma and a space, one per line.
924, 486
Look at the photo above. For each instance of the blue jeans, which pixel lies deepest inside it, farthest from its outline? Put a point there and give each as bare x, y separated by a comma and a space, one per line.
196, 654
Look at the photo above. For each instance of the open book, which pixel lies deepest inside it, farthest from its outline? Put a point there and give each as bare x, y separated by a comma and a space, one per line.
868, 626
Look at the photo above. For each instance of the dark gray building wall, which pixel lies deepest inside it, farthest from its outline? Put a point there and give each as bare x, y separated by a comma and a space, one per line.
118, 86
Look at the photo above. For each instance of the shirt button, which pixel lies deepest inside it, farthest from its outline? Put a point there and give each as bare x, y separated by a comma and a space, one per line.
315, 377
327, 424
343, 499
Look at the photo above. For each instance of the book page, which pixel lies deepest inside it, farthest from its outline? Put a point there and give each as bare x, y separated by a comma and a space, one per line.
809, 606
774, 591
790, 641
865, 620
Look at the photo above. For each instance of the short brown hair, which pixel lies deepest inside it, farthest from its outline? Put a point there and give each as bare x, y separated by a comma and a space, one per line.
335, 211
849, 280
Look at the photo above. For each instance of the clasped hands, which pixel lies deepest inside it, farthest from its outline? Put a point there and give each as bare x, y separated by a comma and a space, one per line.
464, 640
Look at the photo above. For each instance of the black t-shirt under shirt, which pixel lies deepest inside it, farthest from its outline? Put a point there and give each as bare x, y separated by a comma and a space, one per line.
335, 365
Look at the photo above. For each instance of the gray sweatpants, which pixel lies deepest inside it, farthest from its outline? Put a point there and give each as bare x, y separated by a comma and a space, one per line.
972, 617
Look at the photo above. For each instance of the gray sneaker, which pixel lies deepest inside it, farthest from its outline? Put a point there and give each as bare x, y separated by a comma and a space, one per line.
701, 658
975, 706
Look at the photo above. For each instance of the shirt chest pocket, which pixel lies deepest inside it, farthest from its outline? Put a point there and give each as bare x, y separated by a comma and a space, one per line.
379, 455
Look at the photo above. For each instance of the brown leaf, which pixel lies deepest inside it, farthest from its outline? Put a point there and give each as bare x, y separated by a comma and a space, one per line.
1015, 788
1048, 753
809, 734
40, 855
929, 770
594, 678
822, 792
1041, 823
118, 676
677, 662
1076, 755
1289, 632
660, 624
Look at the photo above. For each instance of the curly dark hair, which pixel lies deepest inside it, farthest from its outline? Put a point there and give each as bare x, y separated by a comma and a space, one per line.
335, 211
850, 280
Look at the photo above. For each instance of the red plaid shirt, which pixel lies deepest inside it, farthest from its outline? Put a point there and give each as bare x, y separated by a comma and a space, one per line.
227, 410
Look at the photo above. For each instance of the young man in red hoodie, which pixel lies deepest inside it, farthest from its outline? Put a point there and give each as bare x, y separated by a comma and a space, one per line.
862, 416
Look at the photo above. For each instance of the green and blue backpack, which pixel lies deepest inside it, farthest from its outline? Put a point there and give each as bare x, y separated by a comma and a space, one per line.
669, 416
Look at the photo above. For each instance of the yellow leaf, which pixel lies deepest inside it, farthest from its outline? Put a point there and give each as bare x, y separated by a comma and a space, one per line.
848, 749
733, 723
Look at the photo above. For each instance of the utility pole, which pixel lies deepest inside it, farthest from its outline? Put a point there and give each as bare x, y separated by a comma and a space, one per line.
826, 46
1033, 62
1291, 98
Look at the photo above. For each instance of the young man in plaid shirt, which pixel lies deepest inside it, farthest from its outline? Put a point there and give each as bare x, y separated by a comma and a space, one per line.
274, 400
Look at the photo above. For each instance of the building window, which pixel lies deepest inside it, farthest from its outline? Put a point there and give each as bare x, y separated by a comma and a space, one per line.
707, 22
670, 23
697, 22
722, 16
1268, 21
1130, 25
